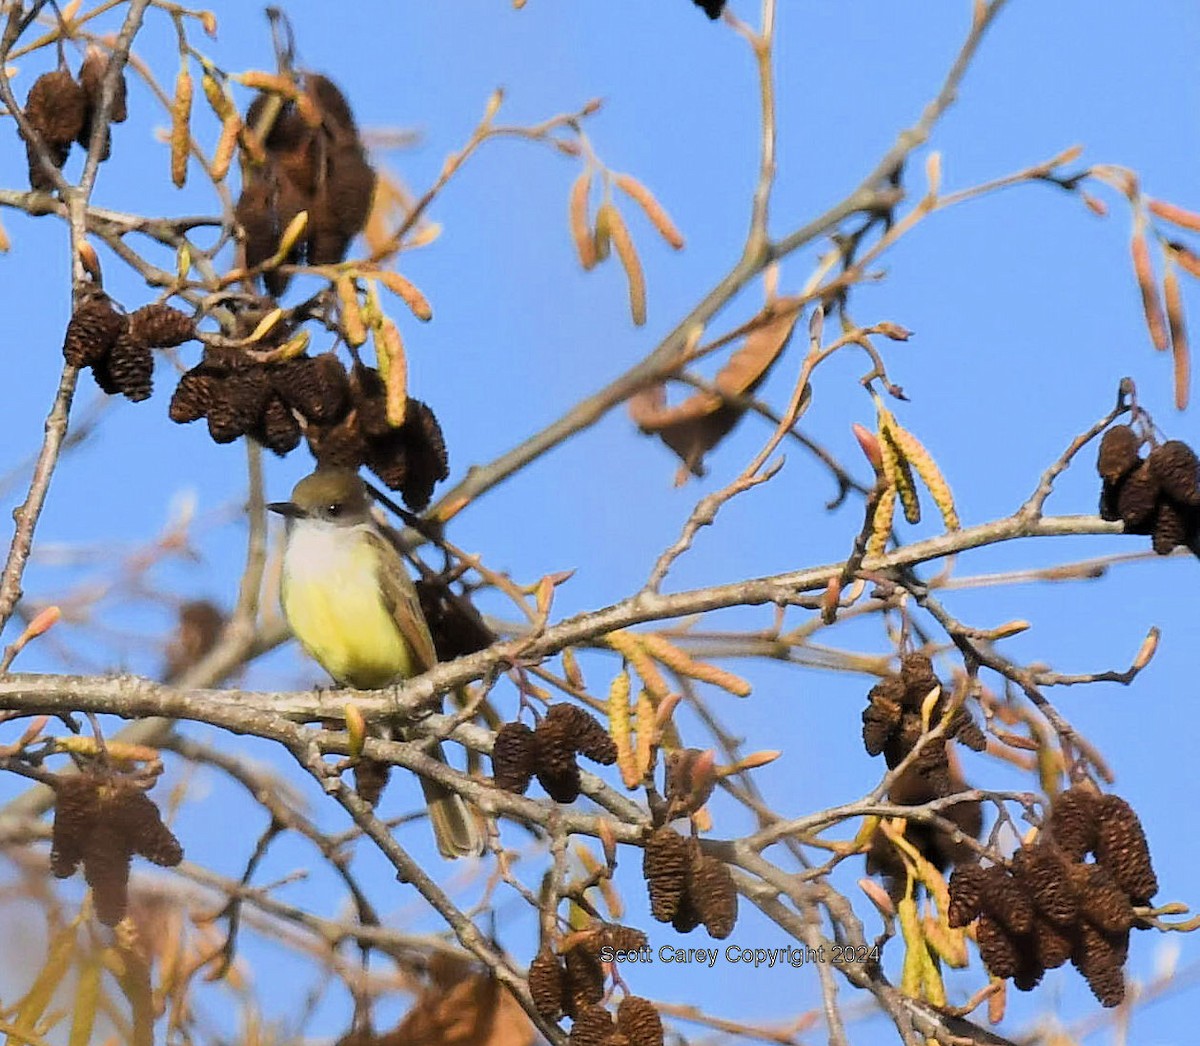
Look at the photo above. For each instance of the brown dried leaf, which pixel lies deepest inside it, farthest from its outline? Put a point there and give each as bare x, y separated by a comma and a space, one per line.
694, 427
477, 1011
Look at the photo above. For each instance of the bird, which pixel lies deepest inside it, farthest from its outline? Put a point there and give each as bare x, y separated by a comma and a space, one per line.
350, 602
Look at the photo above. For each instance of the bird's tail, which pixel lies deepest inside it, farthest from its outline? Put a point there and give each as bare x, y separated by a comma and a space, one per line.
454, 828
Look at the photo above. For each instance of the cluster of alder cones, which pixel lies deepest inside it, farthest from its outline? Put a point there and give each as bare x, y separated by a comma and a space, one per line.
893, 722
118, 346
344, 415
687, 886
1157, 495
101, 821
61, 109
315, 162
1051, 904
548, 752
570, 982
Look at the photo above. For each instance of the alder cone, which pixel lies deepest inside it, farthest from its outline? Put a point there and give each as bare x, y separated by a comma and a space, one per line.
1007, 902
161, 326
555, 741
999, 952
623, 938
919, 678
370, 779
639, 1021
1102, 901
687, 916
92, 331
1175, 466
882, 716
963, 728
1042, 871
76, 809
1053, 944
1073, 822
583, 980
91, 79
337, 446
1118, 454
1100, 958
192, 396
711, 889
547, 984
593, 1027
712, 8
1121, 847
967, 885
665, 863
131, 368
563, 786
106, 870
514, 757
57, 107
132, 814
591, 740
278, 429
316, 386
1171, 528
1137, 501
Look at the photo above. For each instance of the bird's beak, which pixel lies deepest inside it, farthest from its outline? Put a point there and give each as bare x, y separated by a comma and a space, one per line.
286, 508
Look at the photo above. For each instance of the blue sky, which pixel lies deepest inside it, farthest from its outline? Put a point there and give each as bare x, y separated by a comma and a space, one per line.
1023, 306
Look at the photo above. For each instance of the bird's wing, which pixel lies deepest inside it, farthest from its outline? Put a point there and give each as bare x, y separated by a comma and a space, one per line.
400, 597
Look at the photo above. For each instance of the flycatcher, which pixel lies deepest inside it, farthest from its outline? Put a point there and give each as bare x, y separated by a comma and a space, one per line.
349, 600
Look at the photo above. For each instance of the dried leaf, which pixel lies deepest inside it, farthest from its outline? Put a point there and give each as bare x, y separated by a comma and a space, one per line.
477, 1011
694, 427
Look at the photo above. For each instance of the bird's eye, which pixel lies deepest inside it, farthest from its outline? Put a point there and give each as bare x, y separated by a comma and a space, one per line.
333, 510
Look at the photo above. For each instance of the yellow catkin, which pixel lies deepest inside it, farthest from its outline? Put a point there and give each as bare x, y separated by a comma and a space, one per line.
407, 293
881, 522
921, 460
630, 646
623, 244
645, 732
912, 976
181, 122
390, 346
896, 469
653, 210
577, 217
226, 147
620, 728
353, 328
218, 100
678, 660
258, 80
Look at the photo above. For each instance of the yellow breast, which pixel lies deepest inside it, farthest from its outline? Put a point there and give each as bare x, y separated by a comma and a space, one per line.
332, 600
